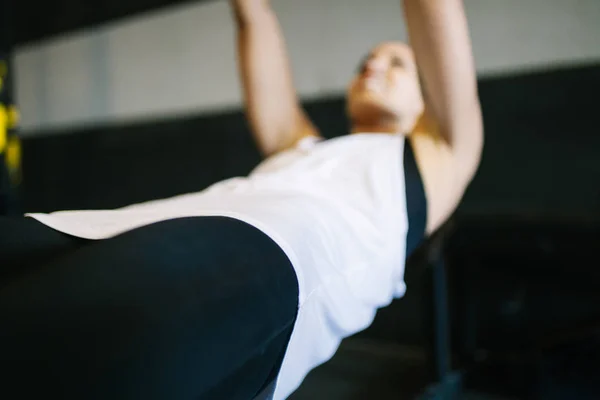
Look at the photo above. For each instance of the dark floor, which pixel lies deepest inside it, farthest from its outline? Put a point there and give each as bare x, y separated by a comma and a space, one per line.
363, 369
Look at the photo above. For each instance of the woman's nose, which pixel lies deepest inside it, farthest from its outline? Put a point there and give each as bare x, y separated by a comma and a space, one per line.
375, 65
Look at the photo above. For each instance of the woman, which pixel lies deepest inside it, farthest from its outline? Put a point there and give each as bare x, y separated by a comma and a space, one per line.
257, 279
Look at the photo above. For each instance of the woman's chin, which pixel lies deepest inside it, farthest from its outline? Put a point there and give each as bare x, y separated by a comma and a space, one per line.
372, 111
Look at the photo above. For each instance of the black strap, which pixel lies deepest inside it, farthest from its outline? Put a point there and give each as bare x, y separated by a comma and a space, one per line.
416, 202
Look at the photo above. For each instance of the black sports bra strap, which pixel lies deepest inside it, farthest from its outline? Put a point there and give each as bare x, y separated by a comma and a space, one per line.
416, 201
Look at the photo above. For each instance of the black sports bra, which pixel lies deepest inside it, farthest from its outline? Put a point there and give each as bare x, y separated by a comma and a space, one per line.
416, 202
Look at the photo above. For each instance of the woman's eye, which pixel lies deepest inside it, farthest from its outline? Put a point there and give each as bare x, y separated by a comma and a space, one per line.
397, 62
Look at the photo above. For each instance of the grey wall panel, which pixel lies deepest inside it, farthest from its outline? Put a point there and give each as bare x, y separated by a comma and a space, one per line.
182, 60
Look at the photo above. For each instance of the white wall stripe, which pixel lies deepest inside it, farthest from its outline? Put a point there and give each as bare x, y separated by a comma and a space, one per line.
182, 60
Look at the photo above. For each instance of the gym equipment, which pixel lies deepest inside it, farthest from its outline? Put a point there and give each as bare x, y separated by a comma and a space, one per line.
10, 145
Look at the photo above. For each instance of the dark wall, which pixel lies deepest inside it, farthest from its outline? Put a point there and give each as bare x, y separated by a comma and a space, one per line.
542, 147
112, 167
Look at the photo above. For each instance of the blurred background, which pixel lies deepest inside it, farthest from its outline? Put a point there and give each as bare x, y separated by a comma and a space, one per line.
123, 101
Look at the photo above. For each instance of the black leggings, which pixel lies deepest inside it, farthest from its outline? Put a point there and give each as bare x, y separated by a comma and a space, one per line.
192, 308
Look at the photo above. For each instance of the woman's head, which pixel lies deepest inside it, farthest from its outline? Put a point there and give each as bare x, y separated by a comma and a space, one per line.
385, 94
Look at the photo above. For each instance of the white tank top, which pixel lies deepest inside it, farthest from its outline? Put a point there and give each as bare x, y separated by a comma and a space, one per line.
337, 208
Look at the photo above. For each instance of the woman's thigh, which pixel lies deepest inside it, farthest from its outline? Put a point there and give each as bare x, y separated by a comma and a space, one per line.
166, 311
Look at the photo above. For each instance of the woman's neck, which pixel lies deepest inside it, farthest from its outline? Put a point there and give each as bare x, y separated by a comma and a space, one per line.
391, 126
374, 129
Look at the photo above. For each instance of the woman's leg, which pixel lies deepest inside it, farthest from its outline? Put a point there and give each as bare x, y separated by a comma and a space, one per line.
25, 242
168, 311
